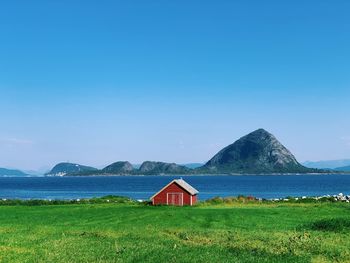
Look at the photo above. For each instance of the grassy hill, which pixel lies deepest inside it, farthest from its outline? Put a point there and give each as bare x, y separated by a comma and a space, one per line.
208, 233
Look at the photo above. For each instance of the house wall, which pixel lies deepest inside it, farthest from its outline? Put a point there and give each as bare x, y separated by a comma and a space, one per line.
194, 199
161, 198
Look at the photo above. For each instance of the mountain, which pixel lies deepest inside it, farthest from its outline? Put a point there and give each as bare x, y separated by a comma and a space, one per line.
327, 164
118, 168
188, 165
136, 165
343, 169
63, 169
258, 152
155, 168
192, 165
11, 172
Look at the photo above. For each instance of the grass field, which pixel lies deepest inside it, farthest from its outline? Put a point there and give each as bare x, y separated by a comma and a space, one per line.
206, 233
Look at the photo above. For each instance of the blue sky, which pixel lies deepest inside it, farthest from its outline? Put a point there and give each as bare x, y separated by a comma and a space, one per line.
99, 81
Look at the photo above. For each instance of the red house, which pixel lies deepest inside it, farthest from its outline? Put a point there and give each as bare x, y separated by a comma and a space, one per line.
177, 192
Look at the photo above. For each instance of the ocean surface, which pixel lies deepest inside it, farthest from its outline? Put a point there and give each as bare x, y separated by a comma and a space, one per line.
143, 187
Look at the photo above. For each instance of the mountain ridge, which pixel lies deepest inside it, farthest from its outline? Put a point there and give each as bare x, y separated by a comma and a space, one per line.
120, 167
343, 169
327, 164
12, 172
257, 152
152, 167
64, 168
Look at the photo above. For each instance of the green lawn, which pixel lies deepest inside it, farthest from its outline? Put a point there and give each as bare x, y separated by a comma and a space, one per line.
139, 233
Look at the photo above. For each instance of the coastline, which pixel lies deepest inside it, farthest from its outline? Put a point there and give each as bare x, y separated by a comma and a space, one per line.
142, 187
201, 174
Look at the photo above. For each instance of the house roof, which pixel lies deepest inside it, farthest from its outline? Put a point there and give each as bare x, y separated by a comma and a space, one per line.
186, 186
183, 184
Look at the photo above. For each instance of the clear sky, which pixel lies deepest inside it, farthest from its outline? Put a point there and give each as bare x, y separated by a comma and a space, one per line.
95, 82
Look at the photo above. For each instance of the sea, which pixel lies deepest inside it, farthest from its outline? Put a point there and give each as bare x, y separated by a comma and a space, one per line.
143, 187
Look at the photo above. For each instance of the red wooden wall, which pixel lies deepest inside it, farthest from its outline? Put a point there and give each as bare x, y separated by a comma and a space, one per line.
161, 198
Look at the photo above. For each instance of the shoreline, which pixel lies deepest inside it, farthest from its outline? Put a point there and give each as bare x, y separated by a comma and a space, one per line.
174, 175
192, 174
340, 197
162, 175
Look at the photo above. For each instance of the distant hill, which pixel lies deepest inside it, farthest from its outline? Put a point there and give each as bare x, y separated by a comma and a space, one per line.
155, 168
121, 167
188, 165
126, 168
63, 169
11, 172
327, 164
136, 165
258, 152
192, 165
343, 169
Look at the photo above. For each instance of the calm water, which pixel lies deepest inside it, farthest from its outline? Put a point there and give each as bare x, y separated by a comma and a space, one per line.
142, 187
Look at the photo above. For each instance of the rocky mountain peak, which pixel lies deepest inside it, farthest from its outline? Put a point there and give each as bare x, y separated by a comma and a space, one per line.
257, 152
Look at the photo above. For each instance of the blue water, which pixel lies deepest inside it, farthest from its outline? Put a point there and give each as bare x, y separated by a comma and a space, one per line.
142, 187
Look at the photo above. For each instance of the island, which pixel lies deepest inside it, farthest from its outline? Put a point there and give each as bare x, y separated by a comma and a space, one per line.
258, 152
